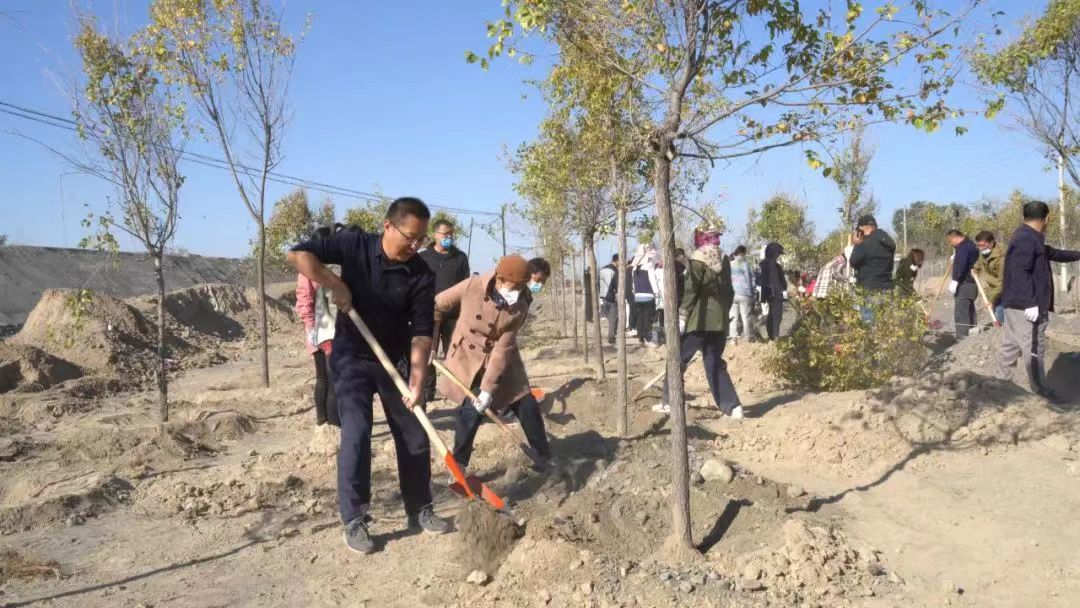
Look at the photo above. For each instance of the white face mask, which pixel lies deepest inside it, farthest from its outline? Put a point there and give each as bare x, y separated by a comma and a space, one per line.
984, 251
510, 295
914, 268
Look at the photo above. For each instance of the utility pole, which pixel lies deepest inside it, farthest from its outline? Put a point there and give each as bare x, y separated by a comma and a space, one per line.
502, 217
905, 231
468, 252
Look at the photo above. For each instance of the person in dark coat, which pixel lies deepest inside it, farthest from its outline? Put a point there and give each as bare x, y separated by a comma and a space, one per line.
962, 285
872, 256
1028, 296
773, 287
907, 271
612, 297
451, 266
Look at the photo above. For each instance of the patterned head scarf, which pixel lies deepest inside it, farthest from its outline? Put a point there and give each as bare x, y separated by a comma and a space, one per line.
707, 248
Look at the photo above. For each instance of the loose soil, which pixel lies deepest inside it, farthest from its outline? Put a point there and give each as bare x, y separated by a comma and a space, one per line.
950, 488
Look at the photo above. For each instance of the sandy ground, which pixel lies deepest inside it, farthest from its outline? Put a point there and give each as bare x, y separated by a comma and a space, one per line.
949, 489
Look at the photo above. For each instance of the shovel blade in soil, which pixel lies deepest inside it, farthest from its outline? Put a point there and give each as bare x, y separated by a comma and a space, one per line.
538, 393
473, 487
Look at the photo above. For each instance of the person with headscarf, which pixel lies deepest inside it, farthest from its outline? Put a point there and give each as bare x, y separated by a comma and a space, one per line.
484, 354
704, 321
645, 293
773, 287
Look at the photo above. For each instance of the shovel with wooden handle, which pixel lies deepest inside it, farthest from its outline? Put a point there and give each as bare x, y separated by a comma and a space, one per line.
516, 437
986, 300
658, 377
941, 286
470, 486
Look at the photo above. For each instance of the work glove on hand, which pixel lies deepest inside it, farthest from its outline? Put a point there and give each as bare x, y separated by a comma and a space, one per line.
483, 401
313, 337
682, 325
1032, 314
953, 285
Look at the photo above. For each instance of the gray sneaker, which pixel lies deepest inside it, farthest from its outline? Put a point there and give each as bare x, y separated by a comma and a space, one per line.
357, 536
428, 521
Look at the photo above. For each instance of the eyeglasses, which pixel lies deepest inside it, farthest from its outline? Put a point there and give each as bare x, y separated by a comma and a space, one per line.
411, 240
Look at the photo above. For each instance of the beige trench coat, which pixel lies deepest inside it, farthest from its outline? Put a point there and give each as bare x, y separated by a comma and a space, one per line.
485, 338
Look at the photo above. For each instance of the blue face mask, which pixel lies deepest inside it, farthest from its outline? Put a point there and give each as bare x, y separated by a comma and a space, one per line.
446, 242
535, 287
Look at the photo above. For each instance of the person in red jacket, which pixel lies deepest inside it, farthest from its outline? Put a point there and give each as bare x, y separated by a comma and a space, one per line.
318, 314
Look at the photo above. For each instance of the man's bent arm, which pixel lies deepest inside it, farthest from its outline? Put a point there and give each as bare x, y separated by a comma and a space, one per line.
308, 264
419, 360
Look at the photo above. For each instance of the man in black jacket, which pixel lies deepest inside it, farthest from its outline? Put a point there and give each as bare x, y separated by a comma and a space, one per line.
962, 285
872, 257
451, 266
1028, 296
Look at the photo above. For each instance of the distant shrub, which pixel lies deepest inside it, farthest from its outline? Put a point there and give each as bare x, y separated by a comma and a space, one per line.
834, 349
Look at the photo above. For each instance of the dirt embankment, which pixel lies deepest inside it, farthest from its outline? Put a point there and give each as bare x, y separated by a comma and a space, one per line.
74, 333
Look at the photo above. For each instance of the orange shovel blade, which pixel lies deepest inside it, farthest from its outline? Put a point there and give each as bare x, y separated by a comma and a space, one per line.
459, 476
473, 487
538, 393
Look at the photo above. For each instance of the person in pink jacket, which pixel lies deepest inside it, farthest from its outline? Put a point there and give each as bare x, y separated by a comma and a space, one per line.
318, 313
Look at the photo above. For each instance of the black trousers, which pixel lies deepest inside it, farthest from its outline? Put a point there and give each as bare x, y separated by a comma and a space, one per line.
528, 413
711, 344
356, 381
441, 345
776, 315
325, 404
645, 315
964, 308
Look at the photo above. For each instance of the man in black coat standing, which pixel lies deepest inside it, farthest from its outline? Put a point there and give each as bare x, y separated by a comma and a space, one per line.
1028, 296
451, 266
872, 257
962, 285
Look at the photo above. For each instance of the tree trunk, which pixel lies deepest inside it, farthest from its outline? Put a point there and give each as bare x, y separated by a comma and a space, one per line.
264, 334
590, 251
162, 377
562, 296
573, 294
586, 293
621, 393
682, 533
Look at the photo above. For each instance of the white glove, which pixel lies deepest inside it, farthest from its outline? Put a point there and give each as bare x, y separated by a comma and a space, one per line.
483, 400
682, 325
952, 287
1032, 314
313, 337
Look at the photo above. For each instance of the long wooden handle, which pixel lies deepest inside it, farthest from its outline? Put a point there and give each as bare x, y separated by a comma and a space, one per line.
402, 386
948, 271
986, 300
657, 378
468, 393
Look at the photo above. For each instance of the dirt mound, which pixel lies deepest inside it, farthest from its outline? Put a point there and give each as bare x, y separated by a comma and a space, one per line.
745, 361
813, 564
94, 331
222, 311
31, 502
25, 368
484, 536
139, 448
230, 497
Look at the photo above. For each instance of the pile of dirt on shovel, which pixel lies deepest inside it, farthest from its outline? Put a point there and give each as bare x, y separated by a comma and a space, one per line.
484, 536
25, 368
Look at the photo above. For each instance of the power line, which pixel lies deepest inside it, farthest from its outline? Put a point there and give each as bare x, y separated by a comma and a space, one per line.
68, 124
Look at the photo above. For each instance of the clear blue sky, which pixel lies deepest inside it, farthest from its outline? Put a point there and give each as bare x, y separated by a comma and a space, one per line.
382, 98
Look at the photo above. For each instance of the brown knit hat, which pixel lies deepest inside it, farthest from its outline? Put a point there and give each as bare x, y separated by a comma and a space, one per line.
512, 268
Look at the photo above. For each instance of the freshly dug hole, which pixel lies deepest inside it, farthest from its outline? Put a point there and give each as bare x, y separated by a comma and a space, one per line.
484, 537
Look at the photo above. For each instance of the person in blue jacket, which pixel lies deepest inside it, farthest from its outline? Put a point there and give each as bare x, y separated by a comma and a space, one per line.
962, 286
1028, 296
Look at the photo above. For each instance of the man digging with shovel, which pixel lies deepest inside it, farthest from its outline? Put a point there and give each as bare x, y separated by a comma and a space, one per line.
393, 290
483, 359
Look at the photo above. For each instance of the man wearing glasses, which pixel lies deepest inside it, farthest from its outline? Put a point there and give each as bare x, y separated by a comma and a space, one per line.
451, 266
394, 292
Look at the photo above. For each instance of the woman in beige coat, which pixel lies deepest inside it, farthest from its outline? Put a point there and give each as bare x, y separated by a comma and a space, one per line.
483, 353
